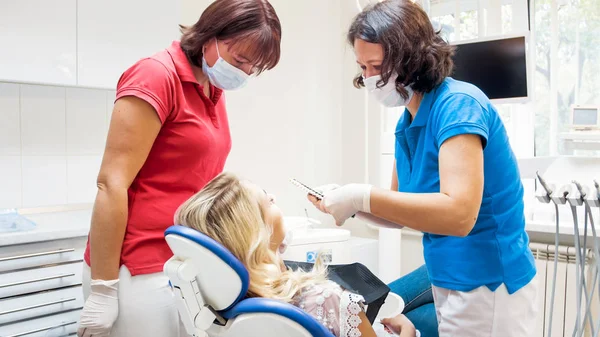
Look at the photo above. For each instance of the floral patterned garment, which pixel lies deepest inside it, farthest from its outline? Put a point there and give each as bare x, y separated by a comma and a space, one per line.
337, 309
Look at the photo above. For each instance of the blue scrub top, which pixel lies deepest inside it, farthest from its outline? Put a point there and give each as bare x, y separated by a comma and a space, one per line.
497, 249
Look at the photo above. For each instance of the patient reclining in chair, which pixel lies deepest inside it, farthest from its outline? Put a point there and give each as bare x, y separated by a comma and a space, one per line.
244, 219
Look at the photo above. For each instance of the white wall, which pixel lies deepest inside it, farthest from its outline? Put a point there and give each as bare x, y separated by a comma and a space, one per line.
51, 144
286, 123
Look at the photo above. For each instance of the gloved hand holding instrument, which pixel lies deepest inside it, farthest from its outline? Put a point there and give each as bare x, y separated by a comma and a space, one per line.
344, 202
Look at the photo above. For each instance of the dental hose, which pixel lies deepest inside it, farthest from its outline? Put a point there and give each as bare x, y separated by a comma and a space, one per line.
597, 258
588, 214
581, 258
578, 280
582, 287
548, 198
595, 332
554, 274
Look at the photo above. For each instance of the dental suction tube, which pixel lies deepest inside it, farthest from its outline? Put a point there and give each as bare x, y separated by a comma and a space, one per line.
591, 200
546, 199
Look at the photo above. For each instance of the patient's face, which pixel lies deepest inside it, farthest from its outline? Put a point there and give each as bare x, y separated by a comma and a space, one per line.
272, 215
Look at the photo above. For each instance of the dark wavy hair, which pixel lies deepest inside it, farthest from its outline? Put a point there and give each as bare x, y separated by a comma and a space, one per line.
251, 24
412, 48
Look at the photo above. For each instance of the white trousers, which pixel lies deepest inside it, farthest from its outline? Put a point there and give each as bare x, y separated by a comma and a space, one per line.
146, 305
483, 313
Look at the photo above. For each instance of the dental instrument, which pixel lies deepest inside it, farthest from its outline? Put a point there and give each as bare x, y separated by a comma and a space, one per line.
317, 194
576, 195
576, 198
591, 200
548, 197
307, 189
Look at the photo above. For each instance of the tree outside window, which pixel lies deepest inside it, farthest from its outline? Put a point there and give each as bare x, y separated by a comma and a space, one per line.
577, 65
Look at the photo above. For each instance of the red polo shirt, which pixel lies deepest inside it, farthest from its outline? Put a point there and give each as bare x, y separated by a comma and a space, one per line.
190, 150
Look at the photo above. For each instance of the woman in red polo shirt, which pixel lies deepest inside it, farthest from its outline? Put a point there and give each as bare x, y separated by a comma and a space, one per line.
168, 137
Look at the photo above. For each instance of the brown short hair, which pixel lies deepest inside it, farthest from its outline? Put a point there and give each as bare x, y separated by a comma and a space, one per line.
412, 48
252, 23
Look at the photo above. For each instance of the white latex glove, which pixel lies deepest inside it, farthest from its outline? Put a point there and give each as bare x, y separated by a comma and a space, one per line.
326, 188
377, 221
100, 310
321, 189
345, 201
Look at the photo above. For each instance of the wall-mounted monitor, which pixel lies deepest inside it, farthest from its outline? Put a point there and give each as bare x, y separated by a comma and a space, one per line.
497, 66
585, 117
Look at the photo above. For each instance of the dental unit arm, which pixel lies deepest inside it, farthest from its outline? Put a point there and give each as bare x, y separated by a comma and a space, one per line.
574, 194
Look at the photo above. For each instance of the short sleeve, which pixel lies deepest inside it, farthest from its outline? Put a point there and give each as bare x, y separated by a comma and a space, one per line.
461, 114
351, 305
150, 81
337, 309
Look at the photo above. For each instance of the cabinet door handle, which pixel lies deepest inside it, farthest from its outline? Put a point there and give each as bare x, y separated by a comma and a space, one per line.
42, 329
26, 256
35, 280
37, 306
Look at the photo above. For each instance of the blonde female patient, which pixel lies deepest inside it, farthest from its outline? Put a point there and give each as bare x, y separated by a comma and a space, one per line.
245, 220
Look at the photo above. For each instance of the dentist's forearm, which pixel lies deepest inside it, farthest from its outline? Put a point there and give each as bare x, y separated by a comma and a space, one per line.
434, 213
109, 220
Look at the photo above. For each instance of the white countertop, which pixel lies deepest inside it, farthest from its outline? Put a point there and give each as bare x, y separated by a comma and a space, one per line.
76, 223
51, 226
549, 227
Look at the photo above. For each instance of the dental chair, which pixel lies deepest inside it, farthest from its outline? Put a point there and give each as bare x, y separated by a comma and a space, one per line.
210, 287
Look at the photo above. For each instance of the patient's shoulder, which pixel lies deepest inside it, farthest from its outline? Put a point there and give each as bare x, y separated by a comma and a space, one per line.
335, 308
322, 301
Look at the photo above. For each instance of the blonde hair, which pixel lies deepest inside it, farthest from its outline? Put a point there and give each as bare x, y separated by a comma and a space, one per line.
228, 211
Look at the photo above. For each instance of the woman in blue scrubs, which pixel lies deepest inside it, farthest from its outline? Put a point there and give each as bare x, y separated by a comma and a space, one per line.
456, 177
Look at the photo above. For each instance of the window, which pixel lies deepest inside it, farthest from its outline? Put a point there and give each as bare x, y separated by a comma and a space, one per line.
506, 19
505, 111
567, 64
446, 25
468, 25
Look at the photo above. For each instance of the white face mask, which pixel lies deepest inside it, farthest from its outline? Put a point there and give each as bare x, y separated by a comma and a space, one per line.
387, 95
223, 75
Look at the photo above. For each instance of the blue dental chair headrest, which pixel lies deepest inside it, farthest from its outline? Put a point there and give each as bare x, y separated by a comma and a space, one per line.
227, 273
221, 284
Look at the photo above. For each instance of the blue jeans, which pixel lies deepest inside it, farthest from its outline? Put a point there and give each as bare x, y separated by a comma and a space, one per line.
415, 290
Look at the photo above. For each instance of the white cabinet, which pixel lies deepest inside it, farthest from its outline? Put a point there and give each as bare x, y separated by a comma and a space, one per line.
26, 307
59, 325
38, 41
40, 288
82, 42
114, 34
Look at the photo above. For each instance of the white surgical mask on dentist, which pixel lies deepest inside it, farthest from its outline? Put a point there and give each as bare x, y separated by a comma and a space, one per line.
387, 95
223, 75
